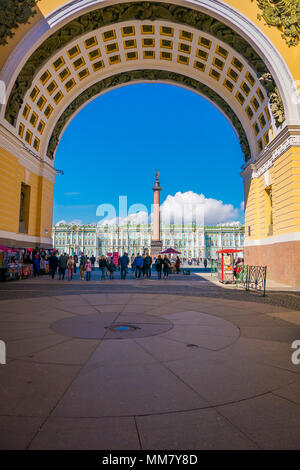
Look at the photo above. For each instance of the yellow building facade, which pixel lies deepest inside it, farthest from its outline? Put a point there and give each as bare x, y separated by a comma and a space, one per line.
56, 56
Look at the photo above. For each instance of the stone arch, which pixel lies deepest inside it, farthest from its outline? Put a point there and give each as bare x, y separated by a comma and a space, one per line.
84, 48
268, 117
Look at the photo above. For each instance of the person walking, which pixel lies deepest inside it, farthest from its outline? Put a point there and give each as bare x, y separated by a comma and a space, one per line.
123, 263
70, 266
82, 262
43, 265
88, 269
177, 264
132, 261
205, 264
36, 266
143, 267
102, 267
138, 264
62, 265
75, 263
148, 266
93, 259
166, 264
111, 268
53, 263
158, 266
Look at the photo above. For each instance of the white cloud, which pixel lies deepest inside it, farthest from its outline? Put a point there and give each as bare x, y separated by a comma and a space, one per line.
60, 222
186, 207
74, 222
192, 207
138, 218
231, 224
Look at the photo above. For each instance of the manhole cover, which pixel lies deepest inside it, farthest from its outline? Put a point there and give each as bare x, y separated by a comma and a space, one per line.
122, 328
102, 326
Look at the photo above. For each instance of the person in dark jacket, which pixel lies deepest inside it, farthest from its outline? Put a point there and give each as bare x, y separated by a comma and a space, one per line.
138, 264
166, 264
111, 267
53, 263
92, 260
177, 264
75, 263
102, 267
62, 265
148, 266
123, 263
36, 266
158, 266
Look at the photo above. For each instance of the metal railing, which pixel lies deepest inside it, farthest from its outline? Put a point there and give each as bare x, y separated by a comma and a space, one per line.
253, 278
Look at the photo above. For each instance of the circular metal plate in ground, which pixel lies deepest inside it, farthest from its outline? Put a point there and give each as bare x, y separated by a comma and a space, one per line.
103, 326
123, 328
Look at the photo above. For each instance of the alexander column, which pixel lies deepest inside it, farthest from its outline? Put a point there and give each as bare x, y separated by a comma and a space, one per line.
156, 243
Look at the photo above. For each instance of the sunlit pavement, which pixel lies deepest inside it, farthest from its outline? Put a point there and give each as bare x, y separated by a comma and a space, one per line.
170, 364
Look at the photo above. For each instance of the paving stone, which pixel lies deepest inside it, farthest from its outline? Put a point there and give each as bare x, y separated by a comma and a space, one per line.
165, 349
126, 391
31, 389
191, 317
202, 336
291, 392
16, 432
273, 353
272, 333
30, 345
43, 315
87, 434
74, 351
219, 380
77, 310
271, 421
194, 430
13, 333
119, 354
109, 308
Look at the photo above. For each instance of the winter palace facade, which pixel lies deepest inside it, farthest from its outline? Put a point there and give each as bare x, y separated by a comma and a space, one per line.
192, 241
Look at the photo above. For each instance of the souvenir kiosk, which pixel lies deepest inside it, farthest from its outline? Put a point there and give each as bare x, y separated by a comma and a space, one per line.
226, 265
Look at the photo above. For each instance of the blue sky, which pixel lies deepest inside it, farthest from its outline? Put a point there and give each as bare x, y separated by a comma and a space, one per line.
113, 146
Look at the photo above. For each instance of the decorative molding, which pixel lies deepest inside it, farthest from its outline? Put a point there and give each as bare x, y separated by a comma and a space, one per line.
22, 237
144, 75
150, 11
13, 13
292, 141
283, 238
284, 15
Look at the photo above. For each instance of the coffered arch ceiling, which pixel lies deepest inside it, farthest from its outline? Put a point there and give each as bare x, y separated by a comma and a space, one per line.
134, 42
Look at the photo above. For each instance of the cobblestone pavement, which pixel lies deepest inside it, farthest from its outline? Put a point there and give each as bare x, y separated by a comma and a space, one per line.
176, 284
175, 364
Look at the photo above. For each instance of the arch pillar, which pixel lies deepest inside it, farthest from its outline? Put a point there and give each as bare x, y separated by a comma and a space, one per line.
272, 209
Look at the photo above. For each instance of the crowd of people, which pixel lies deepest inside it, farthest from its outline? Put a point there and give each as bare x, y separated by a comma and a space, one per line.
141, 265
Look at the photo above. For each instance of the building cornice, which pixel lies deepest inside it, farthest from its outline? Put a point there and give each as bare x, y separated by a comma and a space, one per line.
26, 157
289, 137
